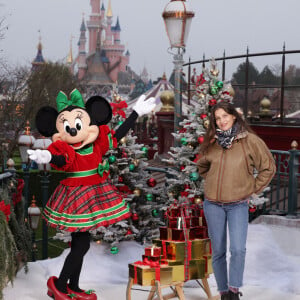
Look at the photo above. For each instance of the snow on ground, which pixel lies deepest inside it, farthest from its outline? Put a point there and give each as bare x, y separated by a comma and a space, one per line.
272, 270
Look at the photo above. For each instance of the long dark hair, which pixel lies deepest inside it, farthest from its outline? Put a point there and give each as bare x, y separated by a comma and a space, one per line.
211, 130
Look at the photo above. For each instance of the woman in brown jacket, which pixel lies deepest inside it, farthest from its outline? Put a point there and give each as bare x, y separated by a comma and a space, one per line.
236, 165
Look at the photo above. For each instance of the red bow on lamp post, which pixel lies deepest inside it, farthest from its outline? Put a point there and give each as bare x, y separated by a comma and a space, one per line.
117, 108
5, 208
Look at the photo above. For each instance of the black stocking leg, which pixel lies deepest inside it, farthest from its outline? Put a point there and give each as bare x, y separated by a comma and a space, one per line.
72, 267
74, 279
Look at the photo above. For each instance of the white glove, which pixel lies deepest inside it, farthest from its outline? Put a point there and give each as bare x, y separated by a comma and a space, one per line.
40, 156
143, 107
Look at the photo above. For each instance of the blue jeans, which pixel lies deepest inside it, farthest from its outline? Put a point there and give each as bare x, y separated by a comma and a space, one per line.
217, 217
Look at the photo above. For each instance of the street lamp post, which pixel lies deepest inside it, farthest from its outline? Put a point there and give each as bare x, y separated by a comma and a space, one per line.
177, 17
34, 214
43, 144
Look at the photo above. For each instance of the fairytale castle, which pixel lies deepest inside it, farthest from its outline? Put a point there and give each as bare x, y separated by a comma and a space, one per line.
102, 62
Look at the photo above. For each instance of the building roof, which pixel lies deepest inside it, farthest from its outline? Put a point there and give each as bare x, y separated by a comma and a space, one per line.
117, 27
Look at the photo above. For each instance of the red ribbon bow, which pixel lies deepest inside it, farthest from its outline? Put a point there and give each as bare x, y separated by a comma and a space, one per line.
117, 108
5, 208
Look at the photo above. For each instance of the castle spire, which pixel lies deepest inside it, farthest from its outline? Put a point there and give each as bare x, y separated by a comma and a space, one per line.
39, 59
70, 55
109, 10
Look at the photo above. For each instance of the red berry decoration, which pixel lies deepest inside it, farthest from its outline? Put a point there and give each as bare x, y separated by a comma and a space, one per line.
203, 116
200, 139
120, 179
151, 182
182, 167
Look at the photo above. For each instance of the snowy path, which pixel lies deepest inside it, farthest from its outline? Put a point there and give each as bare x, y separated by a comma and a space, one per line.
272, 270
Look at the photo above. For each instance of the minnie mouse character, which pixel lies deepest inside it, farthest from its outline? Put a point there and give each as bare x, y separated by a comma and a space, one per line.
85, 199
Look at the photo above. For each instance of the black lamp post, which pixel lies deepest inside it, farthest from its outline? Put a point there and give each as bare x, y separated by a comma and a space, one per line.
177, 17
34, 214
25, 142
43, 143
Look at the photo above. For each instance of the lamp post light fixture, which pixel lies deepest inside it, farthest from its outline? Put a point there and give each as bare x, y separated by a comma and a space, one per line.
177, 17
34, 214
25, 142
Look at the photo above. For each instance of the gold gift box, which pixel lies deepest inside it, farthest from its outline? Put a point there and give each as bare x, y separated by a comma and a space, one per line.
176, 250
208, 258
196, 269
146, 274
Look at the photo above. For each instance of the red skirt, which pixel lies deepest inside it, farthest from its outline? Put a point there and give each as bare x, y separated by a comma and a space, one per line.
85, 208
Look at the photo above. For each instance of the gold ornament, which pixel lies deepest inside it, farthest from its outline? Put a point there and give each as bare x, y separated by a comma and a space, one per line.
201, 96
190, 146
136, 162
167, 99
214, 72
197, 200
206, 123
123, 140
231, 91
137, 192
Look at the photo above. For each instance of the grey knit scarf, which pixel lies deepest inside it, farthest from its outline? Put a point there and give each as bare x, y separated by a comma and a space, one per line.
225, 138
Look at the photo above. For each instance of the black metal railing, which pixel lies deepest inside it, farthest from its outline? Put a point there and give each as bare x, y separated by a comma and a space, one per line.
284, 188
247, 86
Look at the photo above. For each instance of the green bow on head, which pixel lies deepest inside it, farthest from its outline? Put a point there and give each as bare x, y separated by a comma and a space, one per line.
104, 167
62, 100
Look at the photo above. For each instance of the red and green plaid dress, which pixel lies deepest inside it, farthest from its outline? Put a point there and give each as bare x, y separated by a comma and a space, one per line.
86, 199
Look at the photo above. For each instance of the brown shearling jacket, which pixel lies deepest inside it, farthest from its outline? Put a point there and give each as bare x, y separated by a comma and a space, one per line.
228, 173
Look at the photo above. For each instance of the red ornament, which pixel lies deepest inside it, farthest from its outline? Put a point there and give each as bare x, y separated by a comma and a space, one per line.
128, 232
184, 194
252, 209
135, 217
200, 139
196, 158
182, 130
151, 182
120, 179
182, 167
124, 154
212, 102
203, 116
186, 186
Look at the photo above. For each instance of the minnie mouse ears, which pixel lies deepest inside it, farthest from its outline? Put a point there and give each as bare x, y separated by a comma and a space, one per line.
99, 110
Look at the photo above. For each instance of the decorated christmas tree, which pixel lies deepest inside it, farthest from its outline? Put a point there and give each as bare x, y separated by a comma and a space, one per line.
186, 183
209, 90
127, 165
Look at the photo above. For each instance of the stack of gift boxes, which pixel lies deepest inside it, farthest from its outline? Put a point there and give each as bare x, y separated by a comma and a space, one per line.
183, 251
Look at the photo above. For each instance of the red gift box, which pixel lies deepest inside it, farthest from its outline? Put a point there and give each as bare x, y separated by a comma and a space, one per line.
165, 233
178, 234
153, 251
176, 222
195, 221
174, 212
151, 258
198, 232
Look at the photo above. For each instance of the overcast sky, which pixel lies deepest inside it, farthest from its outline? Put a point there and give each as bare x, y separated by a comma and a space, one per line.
231, 25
